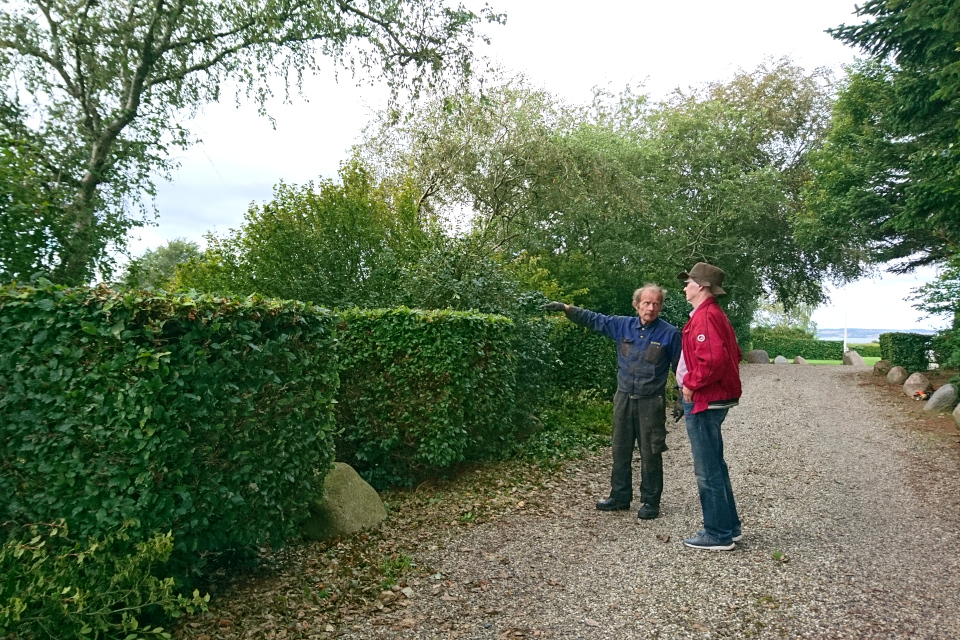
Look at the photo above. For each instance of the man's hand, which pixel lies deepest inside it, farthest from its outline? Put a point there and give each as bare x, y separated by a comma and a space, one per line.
677, 410
687, 395
554, 306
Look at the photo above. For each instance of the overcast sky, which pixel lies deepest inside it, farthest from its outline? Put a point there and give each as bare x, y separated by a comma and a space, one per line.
566, 47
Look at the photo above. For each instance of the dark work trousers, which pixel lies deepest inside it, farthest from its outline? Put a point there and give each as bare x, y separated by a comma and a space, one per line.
642, 420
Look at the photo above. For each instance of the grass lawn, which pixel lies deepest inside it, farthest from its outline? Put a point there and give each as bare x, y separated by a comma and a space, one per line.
868, 361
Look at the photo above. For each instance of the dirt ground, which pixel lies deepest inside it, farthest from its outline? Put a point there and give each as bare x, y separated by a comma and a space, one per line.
912, 410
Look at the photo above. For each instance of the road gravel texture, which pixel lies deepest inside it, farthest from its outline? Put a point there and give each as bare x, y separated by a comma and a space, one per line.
850, 531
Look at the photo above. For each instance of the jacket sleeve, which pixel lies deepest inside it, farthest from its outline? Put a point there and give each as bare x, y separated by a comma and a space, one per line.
676, 349
606, 325
705, 359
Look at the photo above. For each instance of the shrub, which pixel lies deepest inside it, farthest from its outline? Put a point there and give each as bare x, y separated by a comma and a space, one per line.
907, 350
946, 348
204, 416
54, 587
585, 359
868, 350
423, 390
792, 347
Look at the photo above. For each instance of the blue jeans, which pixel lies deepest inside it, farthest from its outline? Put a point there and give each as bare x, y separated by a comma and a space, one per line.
720, 519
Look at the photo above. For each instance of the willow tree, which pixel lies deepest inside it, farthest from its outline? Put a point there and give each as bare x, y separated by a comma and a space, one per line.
98, 88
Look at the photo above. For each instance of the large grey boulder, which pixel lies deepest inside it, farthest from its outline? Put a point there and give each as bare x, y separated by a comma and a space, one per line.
916, 382
853, 358
780, 360
881, 368
349, 504
897, 375
758, 356
956, 415
943, 399
799, 360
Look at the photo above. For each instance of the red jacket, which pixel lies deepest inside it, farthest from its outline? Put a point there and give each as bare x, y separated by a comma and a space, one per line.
712, 356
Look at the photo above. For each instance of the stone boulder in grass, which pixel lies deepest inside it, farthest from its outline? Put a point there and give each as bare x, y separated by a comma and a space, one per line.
917, 382
758, 356
897, 375
349, 505
799, 360
853, 359
780, 360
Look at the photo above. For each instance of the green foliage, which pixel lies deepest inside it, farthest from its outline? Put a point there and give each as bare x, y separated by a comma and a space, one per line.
946, 349
888, 177
792, 347
869, 350
156, 268
422, 391
586, 360
335, 244
106, 110
204, 416
574, 422
107, 587
608, 197
907, 350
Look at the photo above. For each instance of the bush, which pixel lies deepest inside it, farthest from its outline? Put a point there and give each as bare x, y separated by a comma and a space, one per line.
585, 359
946, 349
868, 350
423, 390
792, 347
575, 422
54, 587
204, 416
907, 350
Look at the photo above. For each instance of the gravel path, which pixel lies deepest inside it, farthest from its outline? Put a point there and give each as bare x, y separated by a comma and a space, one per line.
865, 515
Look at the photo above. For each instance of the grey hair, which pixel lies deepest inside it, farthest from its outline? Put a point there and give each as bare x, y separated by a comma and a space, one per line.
649, 287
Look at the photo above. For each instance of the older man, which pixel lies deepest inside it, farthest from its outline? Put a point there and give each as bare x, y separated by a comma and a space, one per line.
709, 379
647, 347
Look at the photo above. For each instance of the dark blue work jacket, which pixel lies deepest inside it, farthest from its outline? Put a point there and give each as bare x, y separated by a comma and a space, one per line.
644, 353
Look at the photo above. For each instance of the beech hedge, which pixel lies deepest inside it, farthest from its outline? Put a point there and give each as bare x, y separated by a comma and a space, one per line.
586, 360
207, 417
423, 390
907, 350
866, 350
806, 348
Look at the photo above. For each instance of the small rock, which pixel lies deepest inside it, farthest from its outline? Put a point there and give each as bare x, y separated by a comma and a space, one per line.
758, 356
916, 382
853, 358
387, 596
780, 360
943, 399
799, 360
897, 375
881, 368
407, 591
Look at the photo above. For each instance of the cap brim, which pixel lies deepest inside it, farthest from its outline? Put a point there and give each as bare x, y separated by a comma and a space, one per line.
683, 276
718, 291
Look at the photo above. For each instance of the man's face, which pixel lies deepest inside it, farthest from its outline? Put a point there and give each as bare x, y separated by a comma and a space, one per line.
648, 307
691, 290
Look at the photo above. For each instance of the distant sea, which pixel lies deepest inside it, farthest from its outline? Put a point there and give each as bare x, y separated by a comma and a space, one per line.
865, 335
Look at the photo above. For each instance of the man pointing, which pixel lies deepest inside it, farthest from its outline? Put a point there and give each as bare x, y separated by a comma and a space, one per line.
647, 347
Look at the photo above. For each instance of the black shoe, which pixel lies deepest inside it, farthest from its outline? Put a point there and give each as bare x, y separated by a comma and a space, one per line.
647, 512
612, 505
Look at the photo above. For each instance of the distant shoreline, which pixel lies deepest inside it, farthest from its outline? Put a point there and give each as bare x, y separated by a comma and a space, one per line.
856, 335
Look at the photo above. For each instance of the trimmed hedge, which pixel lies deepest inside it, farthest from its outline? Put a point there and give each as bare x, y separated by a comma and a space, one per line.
204, 416
907, 350
946, 348
585, 359
868, 350
806, 348
423, 390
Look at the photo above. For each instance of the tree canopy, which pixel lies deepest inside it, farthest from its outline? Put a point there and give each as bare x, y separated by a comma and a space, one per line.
93, 93
889, 173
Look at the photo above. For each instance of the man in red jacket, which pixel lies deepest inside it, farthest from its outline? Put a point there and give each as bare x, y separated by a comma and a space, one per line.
709, 379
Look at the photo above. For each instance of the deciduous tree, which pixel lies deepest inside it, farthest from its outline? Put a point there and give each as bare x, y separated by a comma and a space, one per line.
106, 83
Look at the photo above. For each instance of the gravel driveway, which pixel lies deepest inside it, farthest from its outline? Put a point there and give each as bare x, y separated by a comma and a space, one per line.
850, 531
